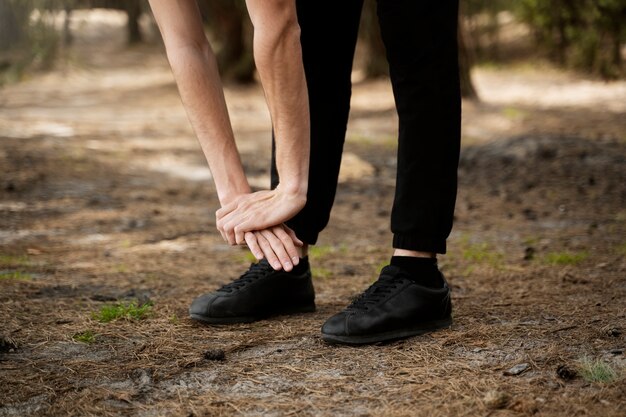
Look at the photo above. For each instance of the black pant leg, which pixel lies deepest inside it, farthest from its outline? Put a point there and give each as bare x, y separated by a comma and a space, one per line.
329, 31
421, 41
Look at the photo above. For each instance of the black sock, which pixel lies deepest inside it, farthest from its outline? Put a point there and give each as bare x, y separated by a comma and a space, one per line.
302, 267
423, 271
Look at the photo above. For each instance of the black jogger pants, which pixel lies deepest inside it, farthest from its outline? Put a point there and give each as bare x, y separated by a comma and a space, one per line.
420, 37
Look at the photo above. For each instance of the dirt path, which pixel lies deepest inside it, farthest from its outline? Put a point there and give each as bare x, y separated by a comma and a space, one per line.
105, 198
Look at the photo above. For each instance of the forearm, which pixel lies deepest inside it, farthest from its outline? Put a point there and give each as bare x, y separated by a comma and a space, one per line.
195, 71
198, 81
278, 58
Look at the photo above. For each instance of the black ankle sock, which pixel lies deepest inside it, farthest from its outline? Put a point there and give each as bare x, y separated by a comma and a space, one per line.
423, 271
302, 267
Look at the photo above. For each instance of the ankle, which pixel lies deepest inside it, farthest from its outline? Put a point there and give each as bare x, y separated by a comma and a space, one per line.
422, 270
413, 253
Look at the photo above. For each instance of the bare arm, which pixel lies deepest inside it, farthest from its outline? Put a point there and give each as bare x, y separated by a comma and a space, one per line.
195, 69
278, 57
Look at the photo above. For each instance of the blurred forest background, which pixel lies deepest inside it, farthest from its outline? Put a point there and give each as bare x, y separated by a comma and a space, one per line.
107, 224
585, 35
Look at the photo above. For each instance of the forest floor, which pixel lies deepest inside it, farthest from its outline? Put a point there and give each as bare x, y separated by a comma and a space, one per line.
106, 203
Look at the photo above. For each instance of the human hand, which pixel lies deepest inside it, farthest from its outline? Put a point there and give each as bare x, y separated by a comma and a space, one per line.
276, 244
257, 211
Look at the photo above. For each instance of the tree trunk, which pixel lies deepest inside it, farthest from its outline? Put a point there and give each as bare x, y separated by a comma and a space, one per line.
67, 38
468, 91
230, 23
133, 11
376, 62
10, 29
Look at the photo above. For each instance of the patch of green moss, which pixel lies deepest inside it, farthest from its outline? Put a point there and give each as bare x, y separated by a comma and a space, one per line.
85, 337
15, 275
565, 258
13, 260
482, 253
130, 311
596, 370
321, 273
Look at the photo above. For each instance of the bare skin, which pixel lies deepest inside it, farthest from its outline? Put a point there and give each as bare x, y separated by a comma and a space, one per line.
278, 57
252, 218
414, 253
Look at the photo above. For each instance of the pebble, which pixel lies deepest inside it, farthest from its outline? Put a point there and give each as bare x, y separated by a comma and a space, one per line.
215, 355
517, 369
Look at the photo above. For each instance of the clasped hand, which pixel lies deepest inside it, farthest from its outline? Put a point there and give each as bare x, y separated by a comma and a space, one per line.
256, 219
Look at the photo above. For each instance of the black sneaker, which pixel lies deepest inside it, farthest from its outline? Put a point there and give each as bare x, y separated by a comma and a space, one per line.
394, 307
259, 293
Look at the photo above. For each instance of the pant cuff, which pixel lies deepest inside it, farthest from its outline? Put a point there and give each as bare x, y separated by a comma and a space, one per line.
307, 236
419, 244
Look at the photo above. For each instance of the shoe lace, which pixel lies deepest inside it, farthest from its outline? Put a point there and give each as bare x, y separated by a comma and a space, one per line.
256, 271
385, 284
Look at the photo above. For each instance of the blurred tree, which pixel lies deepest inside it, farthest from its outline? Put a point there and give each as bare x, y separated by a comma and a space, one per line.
228, 21
369, 33
10, 25
134, 11
482, 26
26, 39
133, 8
586, 34
466, 62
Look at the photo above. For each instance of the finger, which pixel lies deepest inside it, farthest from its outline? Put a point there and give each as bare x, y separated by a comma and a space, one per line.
288, 244
219, 229
255, 220
229, 235
293, 236
240, 237
268, 251
219, 223
279, 249
226, 208
253, 245
235, 232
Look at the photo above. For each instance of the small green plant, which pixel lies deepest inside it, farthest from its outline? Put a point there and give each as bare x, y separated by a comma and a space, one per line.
379, 266
12, 260
384, 140
565, 258
469, 270
245, 257
596, 370
531, 240
15, 275
318, 252
513, 113
173, 319
125, 244
120, 268
480, 252
321, 273
130, 311
85, 337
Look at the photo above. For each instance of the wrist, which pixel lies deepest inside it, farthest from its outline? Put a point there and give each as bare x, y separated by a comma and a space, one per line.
229, 197
293, 189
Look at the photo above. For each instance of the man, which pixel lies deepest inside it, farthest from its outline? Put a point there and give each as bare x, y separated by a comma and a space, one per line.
411, 296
